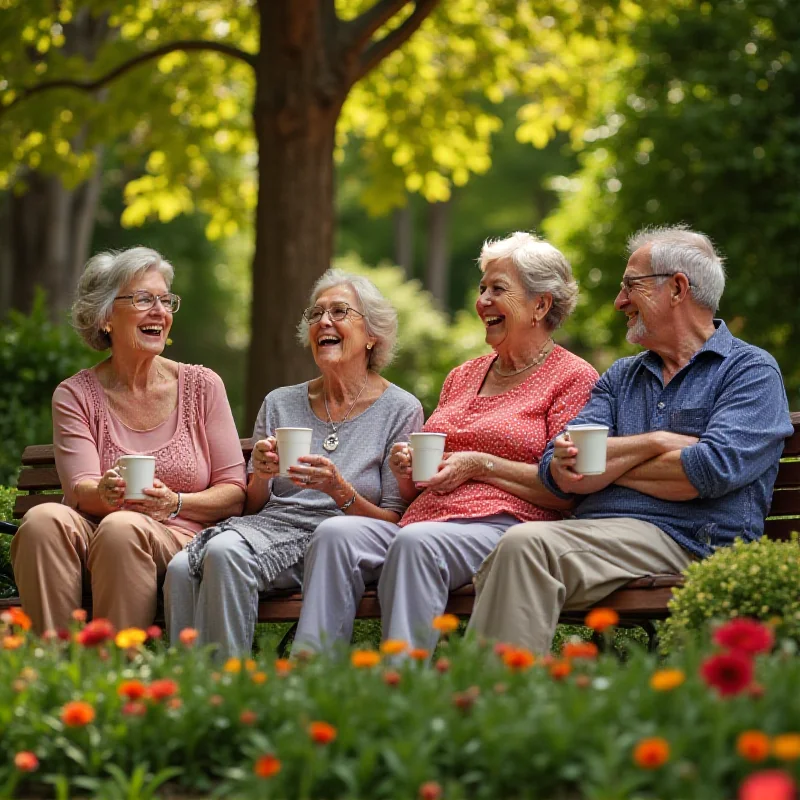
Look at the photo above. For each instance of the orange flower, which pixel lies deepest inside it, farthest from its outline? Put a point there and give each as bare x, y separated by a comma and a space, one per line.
753, 745
132, 690
364, 659
583, 681
174, 703
393, 647
267, 766
130, 637
258, 678
430, 790
665, 680
651, 753
16, 616
599, 619
12, 642
232, 665
26, 761
577, 650
321, 732
445, 623
248, 717
443, 665
77, 713
216, 700
79, 615
162, 689
518, 658
283, 666
134, 708
391, 677
250, 665
560, 669
418, 654
786, 746
188, 636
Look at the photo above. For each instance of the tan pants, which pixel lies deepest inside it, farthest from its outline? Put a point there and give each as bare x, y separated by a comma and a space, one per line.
540, 568
126, 556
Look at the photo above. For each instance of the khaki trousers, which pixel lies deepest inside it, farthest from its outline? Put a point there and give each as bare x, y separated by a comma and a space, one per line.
125, 556
540, 568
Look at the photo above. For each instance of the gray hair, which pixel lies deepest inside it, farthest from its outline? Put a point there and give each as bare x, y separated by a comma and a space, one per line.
678, 249
103, 277
380, 317
542, 269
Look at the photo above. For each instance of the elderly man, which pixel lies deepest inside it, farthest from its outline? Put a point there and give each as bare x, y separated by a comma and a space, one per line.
696, 427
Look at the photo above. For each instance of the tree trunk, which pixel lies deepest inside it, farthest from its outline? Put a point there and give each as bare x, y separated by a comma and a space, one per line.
403, 222
298, 100
438, 267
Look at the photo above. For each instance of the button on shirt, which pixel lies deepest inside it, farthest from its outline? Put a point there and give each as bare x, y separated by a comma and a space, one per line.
731, 396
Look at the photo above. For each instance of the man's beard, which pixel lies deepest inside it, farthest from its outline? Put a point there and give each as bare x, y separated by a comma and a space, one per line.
637, 332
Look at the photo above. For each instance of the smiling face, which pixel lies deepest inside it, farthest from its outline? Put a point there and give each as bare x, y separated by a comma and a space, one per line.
140, 331
343, 343
646, 304
504, 306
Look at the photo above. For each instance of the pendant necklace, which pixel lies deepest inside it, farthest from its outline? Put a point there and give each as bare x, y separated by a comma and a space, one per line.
331, 441
541, 356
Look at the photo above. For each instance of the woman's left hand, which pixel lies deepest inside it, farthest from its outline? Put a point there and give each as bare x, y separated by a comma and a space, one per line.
457, 468
161, 502
318, 473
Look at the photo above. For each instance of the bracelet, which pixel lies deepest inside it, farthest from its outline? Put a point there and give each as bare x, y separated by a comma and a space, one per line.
177, 511
349, 502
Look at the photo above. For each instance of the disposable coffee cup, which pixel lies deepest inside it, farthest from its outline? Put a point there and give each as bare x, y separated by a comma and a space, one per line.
138, 473
292, 443
427, 450
591, 441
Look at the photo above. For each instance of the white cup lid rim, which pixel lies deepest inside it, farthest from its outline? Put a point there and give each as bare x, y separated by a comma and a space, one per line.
136, 455
587, 427
284, 428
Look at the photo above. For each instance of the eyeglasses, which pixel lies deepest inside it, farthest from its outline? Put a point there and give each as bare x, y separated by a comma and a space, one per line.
337, 313
629, 283
144, 301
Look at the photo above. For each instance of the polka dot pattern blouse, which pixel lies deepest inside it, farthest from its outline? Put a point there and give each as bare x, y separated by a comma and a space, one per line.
516, 425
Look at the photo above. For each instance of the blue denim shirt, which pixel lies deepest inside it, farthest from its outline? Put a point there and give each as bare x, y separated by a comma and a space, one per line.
731, 396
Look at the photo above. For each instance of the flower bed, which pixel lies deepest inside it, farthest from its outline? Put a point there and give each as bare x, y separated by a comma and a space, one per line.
93, 708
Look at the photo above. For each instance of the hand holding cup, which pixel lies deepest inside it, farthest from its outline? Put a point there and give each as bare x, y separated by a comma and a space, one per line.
111, 488
265, 458
400, 461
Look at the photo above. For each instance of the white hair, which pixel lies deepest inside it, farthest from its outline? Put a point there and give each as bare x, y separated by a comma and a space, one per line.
380, 317
678, 249
542, 269
103, 277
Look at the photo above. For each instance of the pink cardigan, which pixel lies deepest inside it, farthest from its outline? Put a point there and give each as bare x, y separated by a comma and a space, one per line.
197, 447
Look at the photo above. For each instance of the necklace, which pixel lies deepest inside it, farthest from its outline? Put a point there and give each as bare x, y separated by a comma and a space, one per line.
331, 441
541, 356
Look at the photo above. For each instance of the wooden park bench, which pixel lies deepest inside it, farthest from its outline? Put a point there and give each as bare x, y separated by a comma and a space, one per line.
639, 603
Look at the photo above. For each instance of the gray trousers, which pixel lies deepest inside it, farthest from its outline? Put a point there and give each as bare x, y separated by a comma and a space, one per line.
223, 607
417, 566
540, 568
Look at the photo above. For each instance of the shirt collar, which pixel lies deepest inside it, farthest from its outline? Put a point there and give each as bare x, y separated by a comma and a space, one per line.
720, 342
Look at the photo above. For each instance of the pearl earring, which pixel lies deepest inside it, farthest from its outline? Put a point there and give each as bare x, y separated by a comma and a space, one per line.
369, 347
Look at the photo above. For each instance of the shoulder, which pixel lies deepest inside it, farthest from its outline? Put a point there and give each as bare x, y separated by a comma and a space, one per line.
471, 368
402, 399
205, 377
749, 355
76, 387
286, 395
574, 367
623, 367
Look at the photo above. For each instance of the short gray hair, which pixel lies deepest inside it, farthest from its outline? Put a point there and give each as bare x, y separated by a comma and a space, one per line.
679, 249
542, 269
380, 316
103, 277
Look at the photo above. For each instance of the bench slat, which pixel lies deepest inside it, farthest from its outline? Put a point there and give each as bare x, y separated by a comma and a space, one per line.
37, 478
788, 474
792, 445
785, 503
781, 529
26, 502
35, 455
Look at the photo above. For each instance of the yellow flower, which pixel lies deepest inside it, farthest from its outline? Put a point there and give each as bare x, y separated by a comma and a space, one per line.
250, 665
445, 623
130, 637
786, 746
665, 680
233, 665
393, 647
12, 642
365, 658
259, 677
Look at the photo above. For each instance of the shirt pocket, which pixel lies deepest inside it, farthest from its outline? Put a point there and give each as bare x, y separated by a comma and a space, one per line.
690, 421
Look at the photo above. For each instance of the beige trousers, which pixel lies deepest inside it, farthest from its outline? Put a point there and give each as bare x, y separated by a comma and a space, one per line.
540, 568
125, 555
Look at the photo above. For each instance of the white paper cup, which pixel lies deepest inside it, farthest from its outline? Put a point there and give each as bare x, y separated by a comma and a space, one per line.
138, 473
591, 441
292, 443
427, 450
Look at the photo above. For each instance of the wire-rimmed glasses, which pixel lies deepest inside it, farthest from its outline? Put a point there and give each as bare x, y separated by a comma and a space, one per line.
337, 313
144, 301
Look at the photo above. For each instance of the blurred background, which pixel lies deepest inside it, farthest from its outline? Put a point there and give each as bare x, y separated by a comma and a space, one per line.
578, 119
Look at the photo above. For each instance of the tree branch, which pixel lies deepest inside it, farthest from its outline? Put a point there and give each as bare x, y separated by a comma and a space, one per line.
142, 58
377, 51
360, 30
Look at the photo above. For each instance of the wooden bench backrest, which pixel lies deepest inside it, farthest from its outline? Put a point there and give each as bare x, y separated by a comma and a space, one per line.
39, 475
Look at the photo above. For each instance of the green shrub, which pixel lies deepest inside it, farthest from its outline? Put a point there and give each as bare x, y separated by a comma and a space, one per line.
35, 356
760, 580
7, 585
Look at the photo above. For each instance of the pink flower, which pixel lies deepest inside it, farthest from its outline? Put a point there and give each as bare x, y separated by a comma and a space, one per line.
747, 636
771, 784
729, 673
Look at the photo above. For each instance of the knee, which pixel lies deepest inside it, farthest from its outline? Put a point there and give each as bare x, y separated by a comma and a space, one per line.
334, 533
41, 526
117, 534
222, 552
414, 540
177, 571
520, 538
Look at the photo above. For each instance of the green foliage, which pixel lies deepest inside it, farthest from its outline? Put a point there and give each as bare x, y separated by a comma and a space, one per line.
35, 356
7, 585
758, 579
480, 729
428, 345
705, 130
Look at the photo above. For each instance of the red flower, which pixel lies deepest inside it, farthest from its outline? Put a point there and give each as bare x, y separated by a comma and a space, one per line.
267, 766
77, 713
430, 790
771, 784
322, 732
443, 664
132, 690
153, 632
162, 689
26, 761
391, 677
746, 636
96, 632
729, 673
134, 709
248, 717
576, 650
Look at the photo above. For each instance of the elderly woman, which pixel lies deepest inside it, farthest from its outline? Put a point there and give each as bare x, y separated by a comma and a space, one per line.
355, 416
498, 411
134, 402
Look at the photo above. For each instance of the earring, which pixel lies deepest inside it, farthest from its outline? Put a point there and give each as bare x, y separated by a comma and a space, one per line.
369, 347
107, 329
